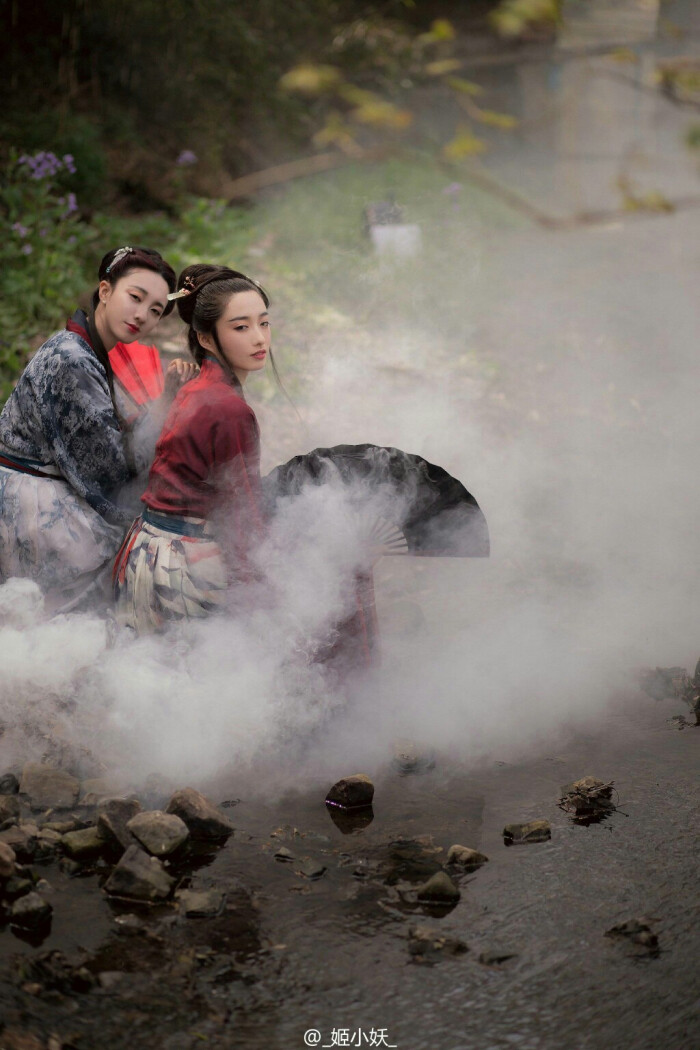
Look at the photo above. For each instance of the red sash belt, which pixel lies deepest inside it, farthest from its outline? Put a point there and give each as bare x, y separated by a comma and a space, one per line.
24, 468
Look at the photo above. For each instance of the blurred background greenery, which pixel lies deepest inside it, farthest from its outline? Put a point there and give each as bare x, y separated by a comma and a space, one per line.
140, 121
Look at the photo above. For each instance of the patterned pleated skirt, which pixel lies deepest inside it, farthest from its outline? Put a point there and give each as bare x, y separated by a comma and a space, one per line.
162, 575
51, 535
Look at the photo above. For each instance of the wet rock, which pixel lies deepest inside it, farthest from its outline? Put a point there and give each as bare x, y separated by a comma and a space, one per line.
160, 833
113, 815
351, 792
17, 886
7, 861
60, 827
49, 837
22, 840
283, 854
410, 860
95, 790
535, 831
70, 867
439, 888
427, 945
200, 815
350, 821
410, 759
465, 857
30, 912
201, 904
46, 787
9, 784
587, 798
494, 957
84, 843
52, 970
637, 932
9, 808
311, 869
139, 877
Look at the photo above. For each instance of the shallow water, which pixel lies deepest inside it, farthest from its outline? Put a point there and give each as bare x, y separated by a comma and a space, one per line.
332, 953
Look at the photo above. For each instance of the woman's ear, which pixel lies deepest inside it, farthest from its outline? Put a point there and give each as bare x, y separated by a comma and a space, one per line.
206, 341
104, 290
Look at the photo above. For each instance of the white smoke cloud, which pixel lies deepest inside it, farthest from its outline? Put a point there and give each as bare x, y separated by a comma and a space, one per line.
579, 441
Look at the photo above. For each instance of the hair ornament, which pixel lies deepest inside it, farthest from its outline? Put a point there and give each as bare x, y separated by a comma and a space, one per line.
118, 256
188, 286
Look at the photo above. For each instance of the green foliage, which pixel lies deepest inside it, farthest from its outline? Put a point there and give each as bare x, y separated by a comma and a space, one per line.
40, 247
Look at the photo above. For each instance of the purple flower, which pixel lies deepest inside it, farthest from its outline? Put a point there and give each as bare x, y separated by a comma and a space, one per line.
69, 163
42, 165
186, 158
20, 229
27, 249
72, 240
72, 204
453, 189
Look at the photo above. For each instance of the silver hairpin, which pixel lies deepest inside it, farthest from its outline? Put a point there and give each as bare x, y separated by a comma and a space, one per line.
119, 254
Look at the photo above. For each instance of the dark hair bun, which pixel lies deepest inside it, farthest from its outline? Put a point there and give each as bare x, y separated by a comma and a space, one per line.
120, 261
191, 277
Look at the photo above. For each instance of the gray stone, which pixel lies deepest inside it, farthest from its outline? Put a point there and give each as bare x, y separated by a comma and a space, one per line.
17, 886
201, 904
638, 932
48, 836
30, 911
21, 840
113, 815
7, 861
535, 831
587, 797
87, 842
60, 827
351, 792
439, 888
161, 833
9, 808
311, 869
465, 857
200, 815
140, 877
94, 790
47, 788
284, 854
9, 784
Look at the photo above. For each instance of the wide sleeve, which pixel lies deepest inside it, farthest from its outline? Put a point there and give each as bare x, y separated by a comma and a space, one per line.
81, 428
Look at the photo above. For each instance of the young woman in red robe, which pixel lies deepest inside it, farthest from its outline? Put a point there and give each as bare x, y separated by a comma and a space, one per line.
203, 507
203, 503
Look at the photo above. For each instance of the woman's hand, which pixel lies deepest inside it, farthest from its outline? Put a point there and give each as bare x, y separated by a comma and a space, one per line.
178, 373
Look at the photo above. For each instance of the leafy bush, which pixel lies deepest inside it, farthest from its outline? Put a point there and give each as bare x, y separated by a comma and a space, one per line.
40, 252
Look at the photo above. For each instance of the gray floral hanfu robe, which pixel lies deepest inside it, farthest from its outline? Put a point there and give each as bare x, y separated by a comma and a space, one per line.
65, 462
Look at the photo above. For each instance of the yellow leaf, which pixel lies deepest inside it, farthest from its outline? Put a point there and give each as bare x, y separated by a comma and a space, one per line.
467, 87
382, 114
495, 120
441, 29
624, 54
464, 144
310, 79
443, 66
